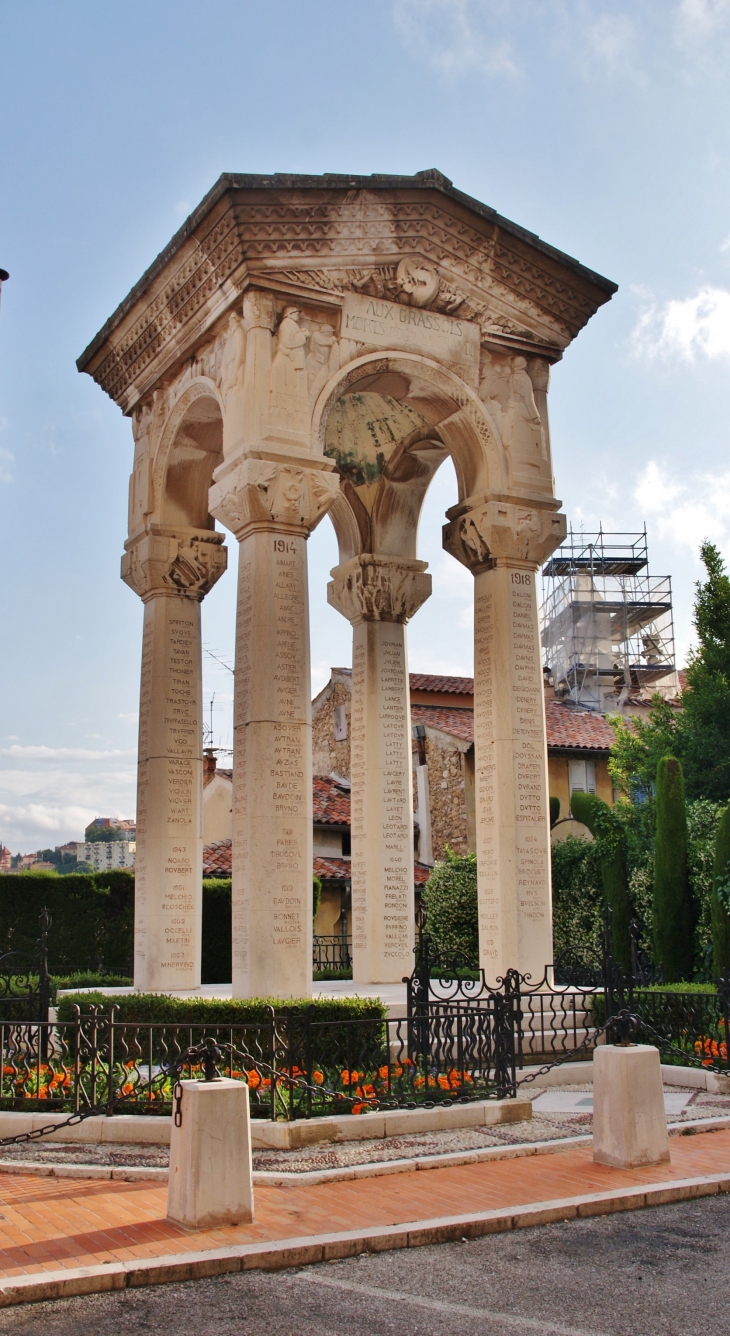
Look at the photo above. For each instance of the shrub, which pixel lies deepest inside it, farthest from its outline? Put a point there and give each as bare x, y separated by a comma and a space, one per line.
606, 828
450, 899
671, 916
92, 918
577, 895
721, 898
216, 947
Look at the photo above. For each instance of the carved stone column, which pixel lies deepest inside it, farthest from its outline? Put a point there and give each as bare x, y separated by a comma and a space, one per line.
272, 508
172, 573
503, 544
378, 595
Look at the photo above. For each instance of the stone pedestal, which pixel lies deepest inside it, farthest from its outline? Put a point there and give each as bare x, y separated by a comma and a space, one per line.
272, 508
629, 1122
502, 545
172, 574
378, 595
211, 1181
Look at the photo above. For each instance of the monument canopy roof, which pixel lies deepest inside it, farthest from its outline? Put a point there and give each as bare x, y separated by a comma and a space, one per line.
337, 233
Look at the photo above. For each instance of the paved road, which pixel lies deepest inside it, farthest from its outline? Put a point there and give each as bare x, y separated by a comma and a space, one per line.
661, 1272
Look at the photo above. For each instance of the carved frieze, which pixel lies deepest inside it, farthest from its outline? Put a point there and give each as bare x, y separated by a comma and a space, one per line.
164, 563
501, 531
414, 246
379, 589
260, 492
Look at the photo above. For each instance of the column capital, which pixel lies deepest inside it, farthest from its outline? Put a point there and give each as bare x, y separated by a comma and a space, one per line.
186, 565
378, 589
498, 533
254, 493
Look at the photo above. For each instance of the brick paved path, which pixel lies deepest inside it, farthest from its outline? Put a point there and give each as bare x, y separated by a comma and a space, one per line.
49, 1224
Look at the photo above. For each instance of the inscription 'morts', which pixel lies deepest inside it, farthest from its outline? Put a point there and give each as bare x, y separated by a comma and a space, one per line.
390, 325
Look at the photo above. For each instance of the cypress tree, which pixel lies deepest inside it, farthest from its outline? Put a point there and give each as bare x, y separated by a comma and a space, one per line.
554, 811
606, 829
672, 906
721, 899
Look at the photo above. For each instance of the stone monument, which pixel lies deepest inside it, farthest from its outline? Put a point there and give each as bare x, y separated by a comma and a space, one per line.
308, 346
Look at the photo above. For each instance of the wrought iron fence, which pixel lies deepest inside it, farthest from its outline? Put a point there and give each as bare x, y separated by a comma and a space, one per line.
331, 953
24, 981
345, 1065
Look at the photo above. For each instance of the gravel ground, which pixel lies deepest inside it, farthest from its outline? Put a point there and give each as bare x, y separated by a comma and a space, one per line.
543, 1127
657, 1272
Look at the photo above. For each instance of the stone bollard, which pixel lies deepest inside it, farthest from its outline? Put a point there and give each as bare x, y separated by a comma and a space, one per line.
629, 1122
211, 1180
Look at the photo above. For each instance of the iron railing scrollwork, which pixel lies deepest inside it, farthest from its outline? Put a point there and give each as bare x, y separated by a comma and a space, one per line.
25, 990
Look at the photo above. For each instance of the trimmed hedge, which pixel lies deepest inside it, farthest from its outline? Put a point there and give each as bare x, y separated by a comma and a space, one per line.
452, 911
154, 1008
92, 915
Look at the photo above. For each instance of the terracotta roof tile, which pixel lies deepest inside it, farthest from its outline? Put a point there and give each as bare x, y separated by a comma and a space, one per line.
457, 723
338, 869
455, 686
217, 859
331, 802
580, 729
567, 728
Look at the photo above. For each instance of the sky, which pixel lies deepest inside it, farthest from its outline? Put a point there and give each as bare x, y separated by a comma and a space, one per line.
601, 125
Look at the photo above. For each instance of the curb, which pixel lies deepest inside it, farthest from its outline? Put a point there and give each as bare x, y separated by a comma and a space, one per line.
376, 1169
308, 1251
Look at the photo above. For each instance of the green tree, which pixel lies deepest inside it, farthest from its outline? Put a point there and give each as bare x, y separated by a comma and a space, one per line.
606, 828
450, 900
705, 723
721, 899
698, 734
672, 908
316, 896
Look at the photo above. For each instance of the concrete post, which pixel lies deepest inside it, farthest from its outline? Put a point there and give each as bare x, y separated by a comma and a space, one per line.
211, 1179
502, 544
172, 574
629, 1121
272, 508
378, 595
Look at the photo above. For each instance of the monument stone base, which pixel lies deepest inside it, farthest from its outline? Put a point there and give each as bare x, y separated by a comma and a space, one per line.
211, 1179
629, 1122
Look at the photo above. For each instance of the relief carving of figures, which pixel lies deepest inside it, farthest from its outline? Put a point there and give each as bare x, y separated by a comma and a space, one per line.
322, 345
288, 398
231, 374
506, 390
522, 423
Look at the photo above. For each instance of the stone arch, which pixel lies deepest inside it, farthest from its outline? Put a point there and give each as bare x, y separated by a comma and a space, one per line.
441, 416
190, 448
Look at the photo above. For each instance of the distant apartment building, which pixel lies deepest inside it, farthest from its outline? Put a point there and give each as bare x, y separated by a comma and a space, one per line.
105, 854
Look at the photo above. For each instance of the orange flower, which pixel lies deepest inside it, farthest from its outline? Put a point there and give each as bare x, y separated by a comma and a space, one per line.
253, 1079
318, 1078
383, 1072
359, 1108
351, 1078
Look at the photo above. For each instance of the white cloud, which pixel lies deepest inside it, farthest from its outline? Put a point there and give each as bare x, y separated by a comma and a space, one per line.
456, 37
611, 39
686, 510
64, 753
37, 825
132, 718
700, 20
685, 328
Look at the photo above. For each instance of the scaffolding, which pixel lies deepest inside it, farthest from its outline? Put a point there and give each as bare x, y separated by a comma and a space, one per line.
606, 623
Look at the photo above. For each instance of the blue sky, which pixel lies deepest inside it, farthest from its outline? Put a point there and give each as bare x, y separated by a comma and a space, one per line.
602, 125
